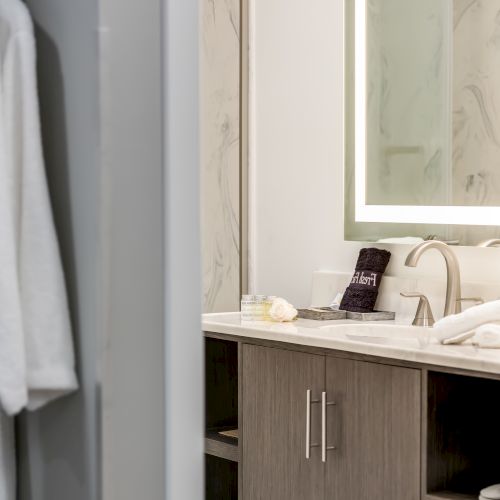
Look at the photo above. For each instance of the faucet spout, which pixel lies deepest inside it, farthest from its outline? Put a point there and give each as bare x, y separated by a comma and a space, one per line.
453, 303
495, 242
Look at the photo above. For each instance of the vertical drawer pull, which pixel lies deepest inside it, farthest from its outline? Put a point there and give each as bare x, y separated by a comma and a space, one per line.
308, 424
324, 447
309, 402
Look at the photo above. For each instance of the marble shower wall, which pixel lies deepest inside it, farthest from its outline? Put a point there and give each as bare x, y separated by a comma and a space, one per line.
220, 149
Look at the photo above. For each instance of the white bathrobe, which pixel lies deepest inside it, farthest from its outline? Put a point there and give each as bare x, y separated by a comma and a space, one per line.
36, 350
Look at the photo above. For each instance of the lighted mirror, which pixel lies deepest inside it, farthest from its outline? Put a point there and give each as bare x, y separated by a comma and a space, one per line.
423, 119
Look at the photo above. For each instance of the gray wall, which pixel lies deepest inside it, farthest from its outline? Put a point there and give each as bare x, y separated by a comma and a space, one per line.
100, 74
184, 368
132, 141
62, 460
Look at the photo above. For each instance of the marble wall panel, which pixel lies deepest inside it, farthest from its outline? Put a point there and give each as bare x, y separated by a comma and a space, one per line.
220, 158
409, 109
476, 103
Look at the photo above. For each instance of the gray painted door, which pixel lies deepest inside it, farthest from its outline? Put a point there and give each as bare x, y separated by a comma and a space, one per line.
275, 382
375, 427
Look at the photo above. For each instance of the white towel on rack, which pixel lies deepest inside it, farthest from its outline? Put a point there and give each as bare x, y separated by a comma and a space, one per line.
36, 350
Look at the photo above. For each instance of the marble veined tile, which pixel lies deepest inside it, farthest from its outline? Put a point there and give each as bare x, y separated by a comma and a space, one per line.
409, 112
476, 103
220, 163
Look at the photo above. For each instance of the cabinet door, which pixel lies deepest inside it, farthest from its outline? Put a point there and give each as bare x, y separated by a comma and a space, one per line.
375, 427
275, 385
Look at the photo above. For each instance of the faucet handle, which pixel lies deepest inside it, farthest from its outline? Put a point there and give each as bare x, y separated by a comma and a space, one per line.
423, 316
477, 300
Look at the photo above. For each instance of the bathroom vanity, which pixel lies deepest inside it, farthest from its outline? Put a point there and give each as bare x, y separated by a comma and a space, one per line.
350, 411
347, 411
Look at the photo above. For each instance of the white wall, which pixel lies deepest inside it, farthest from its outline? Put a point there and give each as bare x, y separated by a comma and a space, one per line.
296, 201
296, 156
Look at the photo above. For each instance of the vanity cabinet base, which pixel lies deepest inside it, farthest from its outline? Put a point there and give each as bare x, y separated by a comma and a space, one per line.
391, 430
363, 436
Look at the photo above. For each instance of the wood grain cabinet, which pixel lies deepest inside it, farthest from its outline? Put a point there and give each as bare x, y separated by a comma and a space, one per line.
375, 428
274, 414
319, 427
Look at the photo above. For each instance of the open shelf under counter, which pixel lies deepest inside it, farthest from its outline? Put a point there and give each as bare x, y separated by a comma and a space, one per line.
462, 436
221, 446
222, 453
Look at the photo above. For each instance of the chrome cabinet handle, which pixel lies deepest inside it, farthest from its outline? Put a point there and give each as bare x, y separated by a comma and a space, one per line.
323, 426
308, 424
324, 447
309, 402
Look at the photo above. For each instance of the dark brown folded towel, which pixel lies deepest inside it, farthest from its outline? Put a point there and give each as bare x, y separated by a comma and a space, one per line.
361, 294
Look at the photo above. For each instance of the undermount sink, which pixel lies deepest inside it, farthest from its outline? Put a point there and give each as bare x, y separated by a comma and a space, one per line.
380, 333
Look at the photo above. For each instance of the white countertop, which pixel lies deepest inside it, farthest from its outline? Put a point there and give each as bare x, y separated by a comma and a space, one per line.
388, 339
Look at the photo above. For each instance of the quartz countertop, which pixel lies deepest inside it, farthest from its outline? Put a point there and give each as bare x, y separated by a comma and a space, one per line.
387, 339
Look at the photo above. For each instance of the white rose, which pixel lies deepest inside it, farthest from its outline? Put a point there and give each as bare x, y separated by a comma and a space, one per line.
281, 311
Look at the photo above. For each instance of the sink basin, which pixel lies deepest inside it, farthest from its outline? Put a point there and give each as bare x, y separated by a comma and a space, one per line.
377, 329
378, 333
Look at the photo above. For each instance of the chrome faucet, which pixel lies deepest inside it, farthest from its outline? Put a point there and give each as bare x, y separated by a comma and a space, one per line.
495, 242
453, 304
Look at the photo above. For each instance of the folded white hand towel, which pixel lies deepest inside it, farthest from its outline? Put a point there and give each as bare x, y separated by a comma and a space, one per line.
458, 339
461, 326
487, 337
